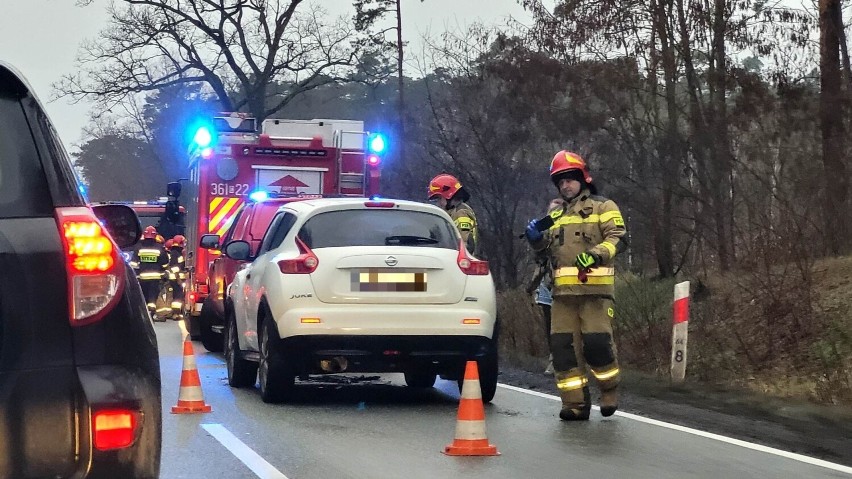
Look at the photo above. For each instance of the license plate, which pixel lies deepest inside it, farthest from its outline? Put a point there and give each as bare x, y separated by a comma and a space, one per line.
388, 280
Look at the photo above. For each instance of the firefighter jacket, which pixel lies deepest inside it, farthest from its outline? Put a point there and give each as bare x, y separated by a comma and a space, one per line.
176, 265
588, 223
150, 260
465, 221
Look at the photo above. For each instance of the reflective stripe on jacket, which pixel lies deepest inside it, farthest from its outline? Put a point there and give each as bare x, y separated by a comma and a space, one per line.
465, 221
588, 223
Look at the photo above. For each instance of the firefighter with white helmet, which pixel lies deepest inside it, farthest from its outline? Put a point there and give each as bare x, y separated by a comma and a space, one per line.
448, 193
150, 259
586, 234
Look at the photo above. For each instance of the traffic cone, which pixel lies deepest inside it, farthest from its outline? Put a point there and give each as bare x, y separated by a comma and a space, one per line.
470, 437
190, 397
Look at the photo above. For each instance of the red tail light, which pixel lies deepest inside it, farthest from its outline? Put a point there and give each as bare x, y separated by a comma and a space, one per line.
473, 267
93, 263
305, 263
114, 429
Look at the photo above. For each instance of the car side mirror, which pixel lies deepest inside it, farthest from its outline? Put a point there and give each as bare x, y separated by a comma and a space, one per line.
238, 250
209, 241
121, 222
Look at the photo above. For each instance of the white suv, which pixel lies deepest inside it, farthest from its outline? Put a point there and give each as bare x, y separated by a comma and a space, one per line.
359, 285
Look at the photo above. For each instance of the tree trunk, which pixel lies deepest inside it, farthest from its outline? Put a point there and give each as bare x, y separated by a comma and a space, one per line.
663, 241
400, 78
721, 143
831, 123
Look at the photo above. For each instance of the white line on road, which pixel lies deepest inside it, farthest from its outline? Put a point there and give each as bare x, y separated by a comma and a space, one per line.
251, 459
709, 435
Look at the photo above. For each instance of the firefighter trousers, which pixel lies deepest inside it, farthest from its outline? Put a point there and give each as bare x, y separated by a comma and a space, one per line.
581, 338
150, 289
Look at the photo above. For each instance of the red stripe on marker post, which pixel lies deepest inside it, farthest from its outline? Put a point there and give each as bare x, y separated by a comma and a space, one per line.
681, 302
680, 328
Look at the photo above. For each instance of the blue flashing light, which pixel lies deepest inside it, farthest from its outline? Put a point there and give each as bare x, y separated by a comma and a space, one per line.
377, 143
375, 197
259, 196
203, 138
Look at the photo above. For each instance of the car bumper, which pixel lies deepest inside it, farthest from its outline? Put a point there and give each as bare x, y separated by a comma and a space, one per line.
316, 354
385, 320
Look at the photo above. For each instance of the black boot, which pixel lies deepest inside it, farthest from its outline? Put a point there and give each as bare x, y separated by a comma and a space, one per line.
609, 402
573, 411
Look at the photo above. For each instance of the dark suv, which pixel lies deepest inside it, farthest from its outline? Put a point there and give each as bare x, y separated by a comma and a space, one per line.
79, 368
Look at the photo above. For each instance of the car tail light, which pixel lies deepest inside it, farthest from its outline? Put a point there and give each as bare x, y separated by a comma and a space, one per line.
93, 264
470, 266
305, 263
379, 204
114, 428
193, 297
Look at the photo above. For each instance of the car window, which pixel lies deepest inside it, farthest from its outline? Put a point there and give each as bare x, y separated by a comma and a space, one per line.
237, 224
24, 190
370, 227
278, 229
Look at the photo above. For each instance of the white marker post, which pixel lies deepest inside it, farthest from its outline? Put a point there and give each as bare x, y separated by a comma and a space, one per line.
680, 319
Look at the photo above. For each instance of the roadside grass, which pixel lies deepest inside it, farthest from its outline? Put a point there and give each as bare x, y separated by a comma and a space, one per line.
773, 332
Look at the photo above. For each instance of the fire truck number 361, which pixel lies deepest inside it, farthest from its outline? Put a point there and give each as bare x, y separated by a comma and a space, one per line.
224, 189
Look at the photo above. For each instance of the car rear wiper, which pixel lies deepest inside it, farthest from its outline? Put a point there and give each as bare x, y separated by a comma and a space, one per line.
405, 239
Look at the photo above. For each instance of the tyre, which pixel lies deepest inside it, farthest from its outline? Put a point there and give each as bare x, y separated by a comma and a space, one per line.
488, 369
241, 372
276, 378
212, 341
419, 379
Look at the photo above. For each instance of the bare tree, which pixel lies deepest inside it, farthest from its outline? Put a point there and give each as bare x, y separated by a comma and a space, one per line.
831, 116
238, 49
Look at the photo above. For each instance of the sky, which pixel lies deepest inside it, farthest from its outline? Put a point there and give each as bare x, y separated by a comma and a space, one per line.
41, 38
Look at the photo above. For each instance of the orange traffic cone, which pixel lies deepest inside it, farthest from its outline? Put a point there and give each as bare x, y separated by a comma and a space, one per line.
470, 437
190, 398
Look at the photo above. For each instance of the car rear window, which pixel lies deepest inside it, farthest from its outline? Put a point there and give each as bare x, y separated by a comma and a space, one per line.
371, 227
24, 190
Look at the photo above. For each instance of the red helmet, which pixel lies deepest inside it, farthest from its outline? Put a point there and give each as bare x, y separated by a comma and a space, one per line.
179, 241
160, 238
149, 233
169, 243
444, 185
566, 161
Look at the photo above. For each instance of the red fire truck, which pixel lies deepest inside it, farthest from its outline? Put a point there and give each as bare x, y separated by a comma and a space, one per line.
231, 158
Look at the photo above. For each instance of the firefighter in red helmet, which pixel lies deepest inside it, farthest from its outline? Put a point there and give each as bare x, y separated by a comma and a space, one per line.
150, 259
447, 192
587, 233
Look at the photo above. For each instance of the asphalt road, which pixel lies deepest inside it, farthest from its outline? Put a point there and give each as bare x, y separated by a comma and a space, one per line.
372, 427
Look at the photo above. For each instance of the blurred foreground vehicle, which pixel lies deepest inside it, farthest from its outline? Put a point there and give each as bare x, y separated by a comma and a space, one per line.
79, 369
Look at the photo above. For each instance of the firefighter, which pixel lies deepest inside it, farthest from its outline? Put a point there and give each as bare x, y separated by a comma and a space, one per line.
448, 193
151, 259
177, 273
587, 233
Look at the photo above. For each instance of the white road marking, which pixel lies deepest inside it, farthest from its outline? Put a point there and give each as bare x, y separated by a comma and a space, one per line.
709, 435
251, 459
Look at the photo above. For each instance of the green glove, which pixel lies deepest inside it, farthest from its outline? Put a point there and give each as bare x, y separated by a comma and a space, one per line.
586, 260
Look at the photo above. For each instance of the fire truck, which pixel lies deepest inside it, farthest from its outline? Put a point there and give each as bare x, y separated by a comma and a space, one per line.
231, 159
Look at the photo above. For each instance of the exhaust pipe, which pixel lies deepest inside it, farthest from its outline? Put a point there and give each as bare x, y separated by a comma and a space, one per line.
337, 364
